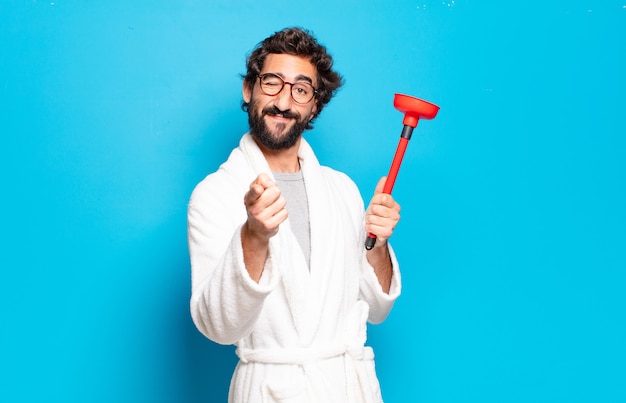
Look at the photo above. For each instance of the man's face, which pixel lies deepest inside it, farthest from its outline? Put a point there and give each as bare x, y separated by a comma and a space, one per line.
277, 121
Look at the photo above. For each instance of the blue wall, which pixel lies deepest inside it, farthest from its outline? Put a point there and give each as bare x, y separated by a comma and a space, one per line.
513, 238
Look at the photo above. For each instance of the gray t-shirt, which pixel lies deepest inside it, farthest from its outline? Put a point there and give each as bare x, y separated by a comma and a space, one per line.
292, 188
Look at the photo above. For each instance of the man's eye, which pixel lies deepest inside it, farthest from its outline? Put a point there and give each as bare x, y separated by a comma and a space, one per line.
301, 89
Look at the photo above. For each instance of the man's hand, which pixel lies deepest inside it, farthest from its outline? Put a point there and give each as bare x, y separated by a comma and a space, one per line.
266, 211
265, 207
381, 218
382, 215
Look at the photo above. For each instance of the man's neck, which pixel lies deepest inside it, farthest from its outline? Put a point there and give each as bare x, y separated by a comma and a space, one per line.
285, 161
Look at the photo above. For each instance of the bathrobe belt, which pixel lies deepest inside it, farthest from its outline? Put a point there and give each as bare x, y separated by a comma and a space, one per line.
356, 375
302, 356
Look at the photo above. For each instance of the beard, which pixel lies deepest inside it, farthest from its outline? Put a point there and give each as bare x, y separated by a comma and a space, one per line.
260, 131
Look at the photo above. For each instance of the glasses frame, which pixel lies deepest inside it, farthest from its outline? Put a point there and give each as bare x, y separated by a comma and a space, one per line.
261, 76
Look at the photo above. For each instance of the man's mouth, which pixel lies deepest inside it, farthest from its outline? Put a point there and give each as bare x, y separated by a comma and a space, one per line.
277, 113
280, 116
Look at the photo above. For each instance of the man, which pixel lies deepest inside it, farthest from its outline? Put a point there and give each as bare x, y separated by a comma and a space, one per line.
276, 244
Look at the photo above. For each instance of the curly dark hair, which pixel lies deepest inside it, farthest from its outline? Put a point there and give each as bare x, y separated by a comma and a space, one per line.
298, 42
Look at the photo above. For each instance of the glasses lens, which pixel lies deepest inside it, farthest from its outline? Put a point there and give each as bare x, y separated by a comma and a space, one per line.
271, 84
302, 92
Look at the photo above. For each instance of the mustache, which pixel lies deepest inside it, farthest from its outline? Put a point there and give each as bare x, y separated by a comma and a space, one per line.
273, 110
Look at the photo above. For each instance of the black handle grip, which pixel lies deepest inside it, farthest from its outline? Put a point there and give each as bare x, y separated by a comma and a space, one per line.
370, 242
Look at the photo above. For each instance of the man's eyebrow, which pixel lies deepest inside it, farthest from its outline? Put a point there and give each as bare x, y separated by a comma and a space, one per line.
299, 77
302, 77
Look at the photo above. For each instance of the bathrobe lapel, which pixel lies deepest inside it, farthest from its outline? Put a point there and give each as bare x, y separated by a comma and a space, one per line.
307, 291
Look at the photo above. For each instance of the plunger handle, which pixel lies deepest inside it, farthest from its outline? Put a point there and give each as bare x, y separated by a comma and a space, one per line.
393, 173
413, 109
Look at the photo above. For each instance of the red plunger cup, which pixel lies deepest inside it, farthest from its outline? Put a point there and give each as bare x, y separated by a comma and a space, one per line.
413, 109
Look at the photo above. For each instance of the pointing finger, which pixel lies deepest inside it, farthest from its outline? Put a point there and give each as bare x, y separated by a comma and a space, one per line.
258, 187
264, 180
254, 193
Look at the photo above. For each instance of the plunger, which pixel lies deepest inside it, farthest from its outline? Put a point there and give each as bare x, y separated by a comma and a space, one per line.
414, 109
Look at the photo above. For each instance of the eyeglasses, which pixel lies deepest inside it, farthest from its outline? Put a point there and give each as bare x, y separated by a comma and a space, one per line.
301, 92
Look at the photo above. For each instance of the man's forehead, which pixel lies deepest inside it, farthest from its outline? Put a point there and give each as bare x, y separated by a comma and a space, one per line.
288, 66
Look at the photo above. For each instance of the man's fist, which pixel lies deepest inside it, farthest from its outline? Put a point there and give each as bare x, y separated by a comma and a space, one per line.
265, 207
382, 215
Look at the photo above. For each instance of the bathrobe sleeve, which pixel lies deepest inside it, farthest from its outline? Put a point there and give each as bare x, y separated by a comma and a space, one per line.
370, 290
225, 301
380, 303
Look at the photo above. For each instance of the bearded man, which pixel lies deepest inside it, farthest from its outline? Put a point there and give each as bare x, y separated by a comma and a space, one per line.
276, 243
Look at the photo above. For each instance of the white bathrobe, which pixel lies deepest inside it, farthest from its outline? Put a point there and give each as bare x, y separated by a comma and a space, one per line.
300, 332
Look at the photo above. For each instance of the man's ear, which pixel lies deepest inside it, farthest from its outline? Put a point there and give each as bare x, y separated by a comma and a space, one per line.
314, 111
246, 92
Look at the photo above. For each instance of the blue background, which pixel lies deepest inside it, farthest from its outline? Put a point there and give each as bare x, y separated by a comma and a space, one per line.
513, 237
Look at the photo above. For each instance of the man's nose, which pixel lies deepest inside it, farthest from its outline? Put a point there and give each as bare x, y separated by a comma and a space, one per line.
283, 98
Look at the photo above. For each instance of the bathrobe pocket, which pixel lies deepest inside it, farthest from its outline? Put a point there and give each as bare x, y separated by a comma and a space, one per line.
291, 389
